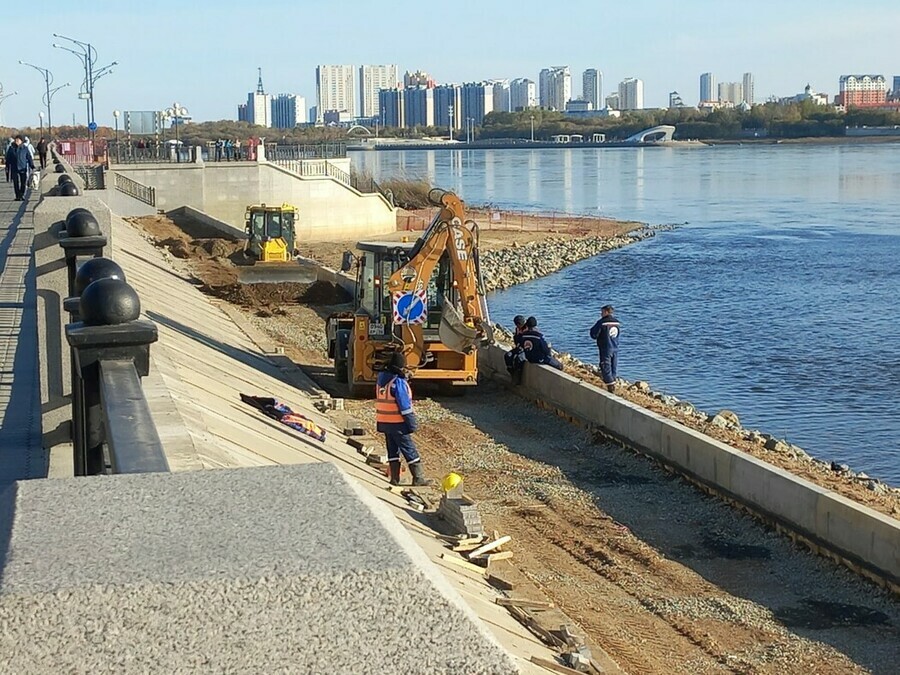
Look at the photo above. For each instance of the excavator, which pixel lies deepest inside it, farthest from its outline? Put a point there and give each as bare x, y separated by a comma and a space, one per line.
424, 298
271, 246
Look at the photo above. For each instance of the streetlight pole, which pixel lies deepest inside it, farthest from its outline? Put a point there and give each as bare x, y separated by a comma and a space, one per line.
175, 112
49, 96
88, 57
450, 120
48, 80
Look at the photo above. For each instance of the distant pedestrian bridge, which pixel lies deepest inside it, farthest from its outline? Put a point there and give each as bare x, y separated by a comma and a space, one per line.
658, 134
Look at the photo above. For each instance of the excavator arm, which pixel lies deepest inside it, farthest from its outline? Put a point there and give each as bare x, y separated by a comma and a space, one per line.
464, 319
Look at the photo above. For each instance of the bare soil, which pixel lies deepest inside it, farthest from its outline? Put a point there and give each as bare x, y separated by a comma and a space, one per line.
663, 577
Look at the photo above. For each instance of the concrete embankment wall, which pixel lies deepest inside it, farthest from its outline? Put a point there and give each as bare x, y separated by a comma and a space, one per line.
861, 538
329, 209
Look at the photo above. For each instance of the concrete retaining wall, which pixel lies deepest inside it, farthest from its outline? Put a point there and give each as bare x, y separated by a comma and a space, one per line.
216, 224
329, 209
863, 539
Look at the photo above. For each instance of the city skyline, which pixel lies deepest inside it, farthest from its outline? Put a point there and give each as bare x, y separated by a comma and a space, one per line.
676, 46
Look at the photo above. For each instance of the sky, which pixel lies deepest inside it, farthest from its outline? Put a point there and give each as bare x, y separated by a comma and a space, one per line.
205, 55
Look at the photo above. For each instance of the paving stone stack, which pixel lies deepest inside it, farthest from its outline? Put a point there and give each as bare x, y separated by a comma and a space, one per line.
461, 513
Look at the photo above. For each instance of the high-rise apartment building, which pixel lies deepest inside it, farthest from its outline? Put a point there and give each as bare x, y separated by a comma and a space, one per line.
592, 87
448, 106
334, 91
675, 100
522, 94
731, 92
417, 79
555, 87
243, 115
419, 106
862, 91
502, 101
258, 108
631, 94
708, 91
896, 87
477, 101
288, 110
749, 97
612, 101
373, 79
392, 107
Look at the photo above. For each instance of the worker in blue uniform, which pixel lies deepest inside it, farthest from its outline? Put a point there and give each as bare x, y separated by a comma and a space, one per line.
395, 418
515, 357
536, 347
606, 333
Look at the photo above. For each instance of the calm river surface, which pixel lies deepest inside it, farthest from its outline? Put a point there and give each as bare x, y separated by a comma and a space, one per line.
779, 298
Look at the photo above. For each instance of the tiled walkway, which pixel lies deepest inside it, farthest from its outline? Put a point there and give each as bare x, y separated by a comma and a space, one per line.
21, 455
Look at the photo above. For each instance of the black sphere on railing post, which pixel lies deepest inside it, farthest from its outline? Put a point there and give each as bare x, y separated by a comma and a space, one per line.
64, 178
69, 190
60, 168
96, 269
109, 302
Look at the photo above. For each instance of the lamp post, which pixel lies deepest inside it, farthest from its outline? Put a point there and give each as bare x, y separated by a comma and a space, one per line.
118, 154
450, 120
177, 110
49, 97
48, 80
87, 54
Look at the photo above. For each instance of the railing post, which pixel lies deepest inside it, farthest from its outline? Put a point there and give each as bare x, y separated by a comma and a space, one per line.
85, 383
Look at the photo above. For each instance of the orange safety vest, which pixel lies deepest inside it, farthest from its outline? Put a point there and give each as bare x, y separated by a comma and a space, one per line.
387, 410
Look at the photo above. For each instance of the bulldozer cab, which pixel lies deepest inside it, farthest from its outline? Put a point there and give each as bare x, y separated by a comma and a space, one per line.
376, 265
270, 232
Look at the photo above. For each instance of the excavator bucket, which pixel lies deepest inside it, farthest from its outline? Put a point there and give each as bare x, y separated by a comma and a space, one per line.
293, 271
454, 332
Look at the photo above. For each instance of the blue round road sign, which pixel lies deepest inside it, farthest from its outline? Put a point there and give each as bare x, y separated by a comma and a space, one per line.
92, 126
411, 308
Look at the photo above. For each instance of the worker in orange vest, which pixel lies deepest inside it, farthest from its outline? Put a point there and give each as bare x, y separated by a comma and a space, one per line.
395, 418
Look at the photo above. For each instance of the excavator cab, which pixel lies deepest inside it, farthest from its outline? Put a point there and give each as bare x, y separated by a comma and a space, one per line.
271, 245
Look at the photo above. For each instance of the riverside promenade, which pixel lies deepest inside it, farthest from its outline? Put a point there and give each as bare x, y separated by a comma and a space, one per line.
21, 455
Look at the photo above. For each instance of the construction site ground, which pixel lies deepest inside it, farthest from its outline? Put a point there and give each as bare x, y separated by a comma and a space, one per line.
665, 578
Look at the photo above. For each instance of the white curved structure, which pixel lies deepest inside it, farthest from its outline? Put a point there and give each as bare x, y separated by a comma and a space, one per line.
658, 134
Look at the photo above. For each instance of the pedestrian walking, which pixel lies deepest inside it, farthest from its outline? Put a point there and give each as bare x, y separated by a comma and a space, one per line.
10, 145
219, 148
537, 349
237, 150
42, 152
606, 332
20, 163
395, 418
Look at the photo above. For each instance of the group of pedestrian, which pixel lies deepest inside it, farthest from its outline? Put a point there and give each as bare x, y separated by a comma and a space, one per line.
19, 159
229, 150
530, 346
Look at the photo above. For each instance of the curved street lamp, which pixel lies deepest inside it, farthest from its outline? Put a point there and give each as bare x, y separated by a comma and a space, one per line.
87, 54
48, 80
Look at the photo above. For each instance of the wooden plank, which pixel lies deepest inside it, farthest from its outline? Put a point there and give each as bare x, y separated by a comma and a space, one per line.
465, 564
494, 557
553, 666
500, 583
490, 546
463, 548
523, 602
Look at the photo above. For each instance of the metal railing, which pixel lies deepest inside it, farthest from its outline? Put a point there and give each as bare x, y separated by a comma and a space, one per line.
333, 150
93, 175
139, 191
112, 427
322, 168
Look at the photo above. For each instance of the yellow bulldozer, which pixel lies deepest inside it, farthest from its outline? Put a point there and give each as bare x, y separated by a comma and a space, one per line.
426, 299
271, 251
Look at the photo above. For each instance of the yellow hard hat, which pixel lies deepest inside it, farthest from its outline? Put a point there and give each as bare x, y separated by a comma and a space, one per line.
451, 480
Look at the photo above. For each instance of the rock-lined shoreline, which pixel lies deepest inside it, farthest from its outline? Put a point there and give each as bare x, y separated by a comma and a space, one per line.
507, 267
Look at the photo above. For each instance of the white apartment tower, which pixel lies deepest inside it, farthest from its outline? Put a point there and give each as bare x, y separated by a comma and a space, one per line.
373, 79
631, 94
592, 87
731, 92
555, 87
522, 94
748, 88
708, 91
334, 90
502, 98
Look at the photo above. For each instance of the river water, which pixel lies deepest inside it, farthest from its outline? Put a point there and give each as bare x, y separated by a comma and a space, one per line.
778, 297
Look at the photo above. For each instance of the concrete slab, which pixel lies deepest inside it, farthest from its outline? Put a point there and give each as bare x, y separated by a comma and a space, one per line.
253, 570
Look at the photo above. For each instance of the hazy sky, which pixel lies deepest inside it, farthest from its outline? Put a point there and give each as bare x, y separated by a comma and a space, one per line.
205, 54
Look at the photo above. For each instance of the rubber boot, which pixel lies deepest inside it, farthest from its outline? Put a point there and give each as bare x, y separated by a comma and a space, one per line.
611, 388
418, 475
394, 468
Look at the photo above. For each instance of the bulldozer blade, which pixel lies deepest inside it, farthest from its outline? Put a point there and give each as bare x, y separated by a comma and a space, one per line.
454, 332
277, 273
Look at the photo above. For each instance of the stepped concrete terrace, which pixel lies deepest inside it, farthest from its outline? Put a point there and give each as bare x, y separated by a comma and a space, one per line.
313, 567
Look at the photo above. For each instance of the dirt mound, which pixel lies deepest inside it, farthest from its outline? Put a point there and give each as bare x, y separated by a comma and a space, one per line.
217, 248
324, 293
